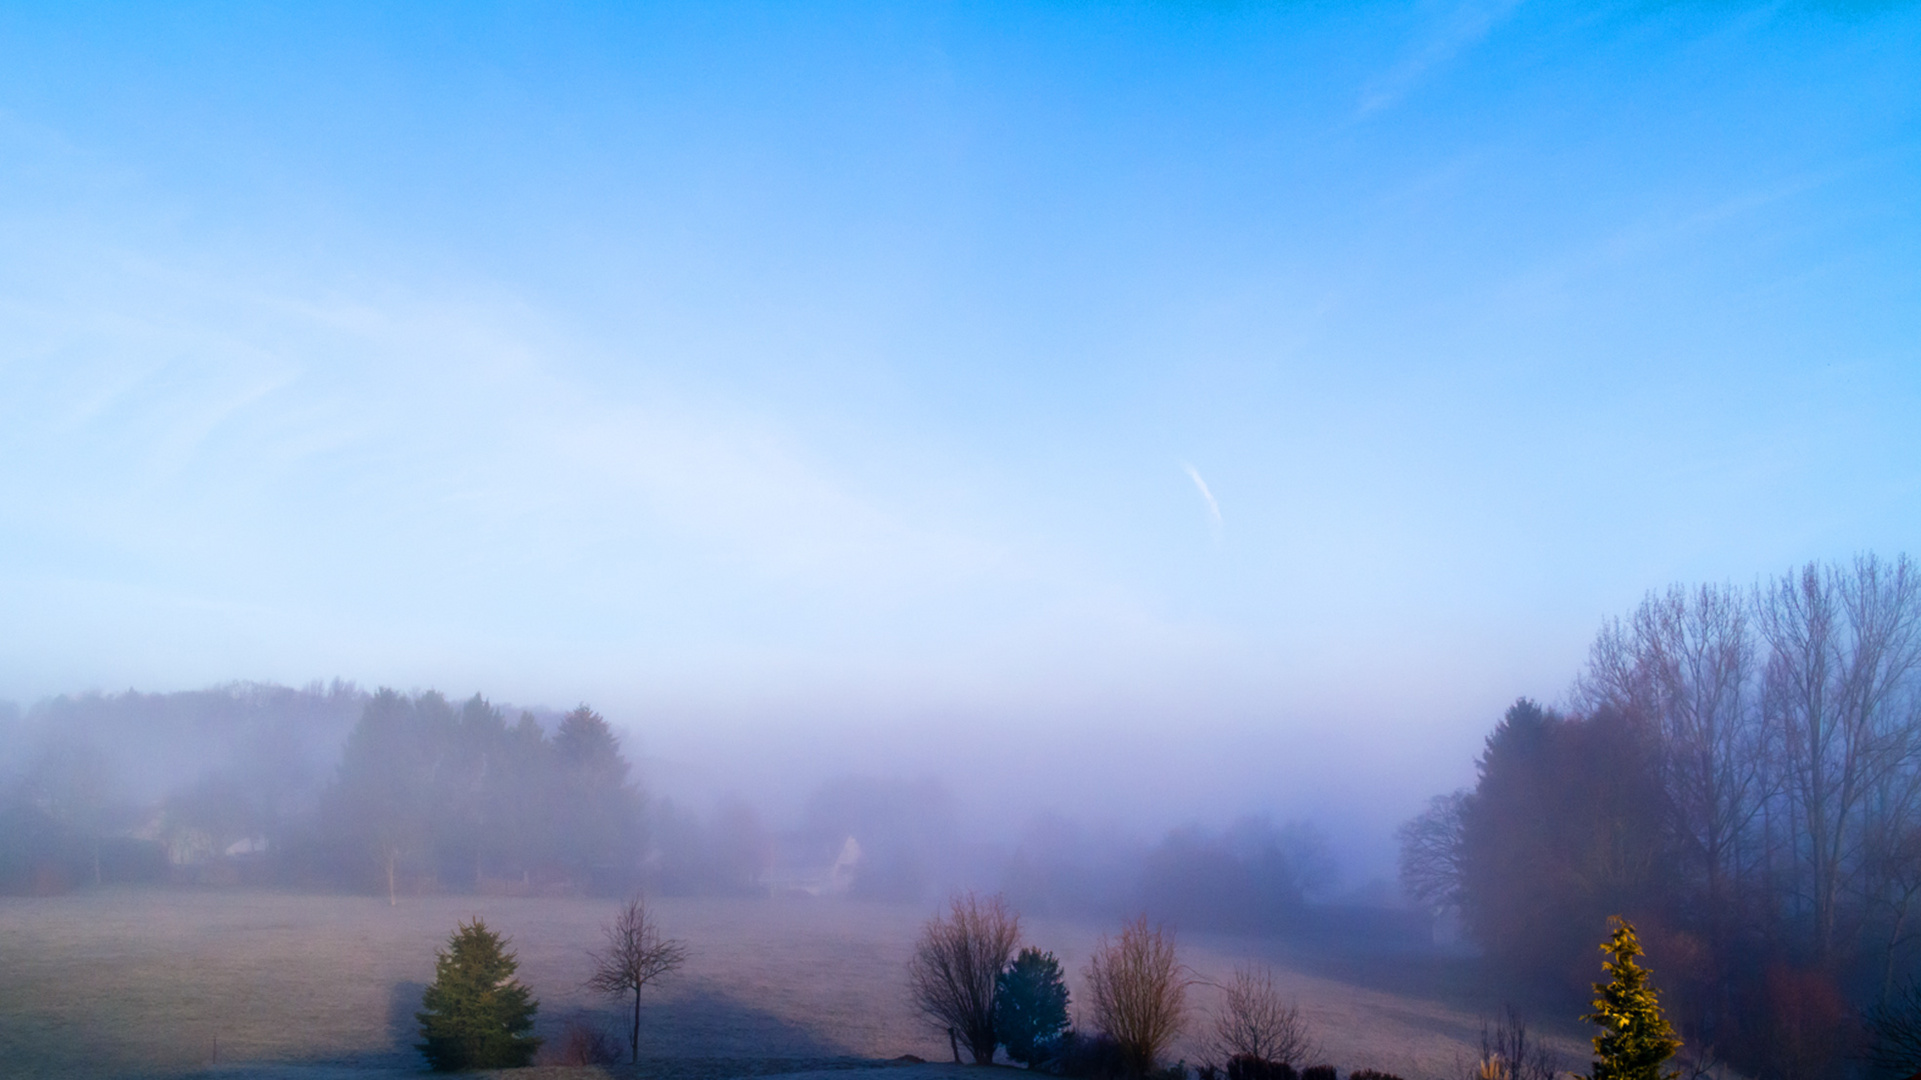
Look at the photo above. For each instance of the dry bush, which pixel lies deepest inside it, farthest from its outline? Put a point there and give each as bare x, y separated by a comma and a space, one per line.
1139, 991
1244, 1067
955, 966
1508, 1052
1255, 1022
582, 1043
1093, 1057
1808, 1024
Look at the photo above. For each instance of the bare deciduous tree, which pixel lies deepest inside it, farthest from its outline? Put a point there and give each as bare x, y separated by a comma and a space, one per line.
635, 955
955, 966
1431, 852
1844, 650
1699, 658
1139, 991
1684, 665
1255, 1022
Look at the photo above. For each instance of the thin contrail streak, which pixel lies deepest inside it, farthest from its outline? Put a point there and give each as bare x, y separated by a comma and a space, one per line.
1213, 508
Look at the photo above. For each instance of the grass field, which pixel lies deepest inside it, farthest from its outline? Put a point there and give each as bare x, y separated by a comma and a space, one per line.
154, 983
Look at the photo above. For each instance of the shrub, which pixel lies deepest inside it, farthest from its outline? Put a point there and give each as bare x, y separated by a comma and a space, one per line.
1250, 1067
1371, 1074
476, 1015
1030, 1007
582, 1043
1140, 996
1318, 1072
957, 965
1809, 1022
1094, 1057
1254, 1021
1508, 1052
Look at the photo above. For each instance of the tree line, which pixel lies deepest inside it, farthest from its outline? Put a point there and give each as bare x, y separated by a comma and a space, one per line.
394, 793
1739, 771
324, 786
456, 796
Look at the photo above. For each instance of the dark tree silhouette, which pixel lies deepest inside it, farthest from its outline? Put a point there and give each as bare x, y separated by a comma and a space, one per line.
1030, 1007
1894, 1031
1566, 825
1431, 870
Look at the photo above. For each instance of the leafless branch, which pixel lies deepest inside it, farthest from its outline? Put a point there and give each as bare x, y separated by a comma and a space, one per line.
955, 966
1138, 990
635, 955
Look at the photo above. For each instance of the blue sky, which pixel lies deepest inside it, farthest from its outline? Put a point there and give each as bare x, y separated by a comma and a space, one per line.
760, 371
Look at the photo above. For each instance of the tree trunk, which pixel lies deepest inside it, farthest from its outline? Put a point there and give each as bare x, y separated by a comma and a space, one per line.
633, 1037
984, 1052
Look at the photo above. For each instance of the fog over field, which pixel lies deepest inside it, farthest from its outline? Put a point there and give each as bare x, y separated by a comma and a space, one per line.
1134, 458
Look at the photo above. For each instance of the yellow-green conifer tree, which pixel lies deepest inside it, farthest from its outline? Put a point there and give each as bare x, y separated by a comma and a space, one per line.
1635, 1039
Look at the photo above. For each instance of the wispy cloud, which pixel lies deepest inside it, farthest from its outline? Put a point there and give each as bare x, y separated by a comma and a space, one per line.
1213, 507
1456, 31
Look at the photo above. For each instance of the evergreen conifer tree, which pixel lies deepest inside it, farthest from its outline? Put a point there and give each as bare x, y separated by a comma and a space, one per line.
1635, 1038
1030, 1007
476, 1015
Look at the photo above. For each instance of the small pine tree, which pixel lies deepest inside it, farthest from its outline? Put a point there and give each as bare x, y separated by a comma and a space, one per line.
1030, 1007
476, 1015
1635, 1038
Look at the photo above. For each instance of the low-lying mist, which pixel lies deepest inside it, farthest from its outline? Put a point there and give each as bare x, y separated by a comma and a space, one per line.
335, 787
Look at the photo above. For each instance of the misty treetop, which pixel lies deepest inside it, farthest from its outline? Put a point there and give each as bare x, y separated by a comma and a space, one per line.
433, 795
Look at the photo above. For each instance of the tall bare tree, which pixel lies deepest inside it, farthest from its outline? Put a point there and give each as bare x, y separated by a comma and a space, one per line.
635, 955
1844, 649
1139, 991
1683, 663
1700, 660
956, 964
